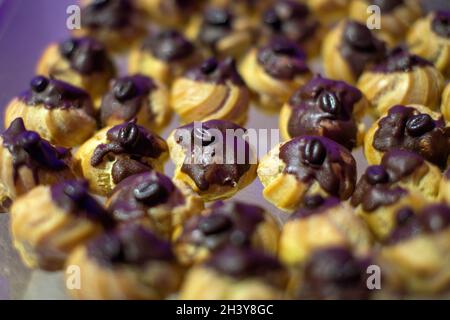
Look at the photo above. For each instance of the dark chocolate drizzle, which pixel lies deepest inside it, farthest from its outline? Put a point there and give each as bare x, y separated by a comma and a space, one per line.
313, 158
216, 72
244, 262
313, 205
325, 107
55, 94
134, 143
406, 129
430, 220
378, 187
129, 244
441, 23
133, 196
168, 45
86, 55
73, 197
126, 98
217, 24
400, 60
28, 149
226, 223
282, 59
387, 6
212, 160
290, 19
360, 47
107, 14
334, 273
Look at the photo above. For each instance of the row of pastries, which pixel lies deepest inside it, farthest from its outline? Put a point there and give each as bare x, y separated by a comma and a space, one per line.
82, 172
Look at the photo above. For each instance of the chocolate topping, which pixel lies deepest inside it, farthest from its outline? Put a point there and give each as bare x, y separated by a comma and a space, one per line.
107, 14
334, 273
283, 59
73, 197
135, 195
244, 262
431, 219
217, 24
387, 6
28, 149
126, 98
447, 173
441, 23
226, 223
325, 107
400, 60
378, 185
216, 72
290, 19
407, 129
134, 143
213, 156
312, 158
55, 94
86, 55
169, 45
315, 204
129, 244
360, 47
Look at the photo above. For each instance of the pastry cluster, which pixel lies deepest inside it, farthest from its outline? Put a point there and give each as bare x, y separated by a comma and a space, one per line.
84, 147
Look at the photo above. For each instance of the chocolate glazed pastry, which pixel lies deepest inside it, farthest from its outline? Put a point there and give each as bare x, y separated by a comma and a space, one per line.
413, 128
129, 262
116, 23
213, 158
59, 112
274, 71
82, 62
164, 55
64, 216
139, 97
116, 153
27, 160
326, 108
402, 78
234, 223
212, 90
306, 165
334, 221
236, 273
153, 200
429, 38
402, 177
349, 49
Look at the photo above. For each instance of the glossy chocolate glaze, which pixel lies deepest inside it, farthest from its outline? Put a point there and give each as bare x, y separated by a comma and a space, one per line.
73, 197
225, 223
313, 158
378, 187
216, 72
314, 204
387, 6
129, 245
206, 158
334, 273
55, 94
126, 98
168, 45
86, 55
107, 14
217, 24
325, 107
400, 60
244, 262
290, 19
441, 23
282, 59
360, 47
432, 219
28, 149
407, 129
134, 143
135, 195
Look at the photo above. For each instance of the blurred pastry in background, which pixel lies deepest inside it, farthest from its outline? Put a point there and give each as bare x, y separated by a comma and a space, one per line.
445, 106
329, 11
171, 13
444, 187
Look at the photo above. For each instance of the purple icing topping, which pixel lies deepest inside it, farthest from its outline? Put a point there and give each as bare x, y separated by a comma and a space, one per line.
216, 72
217, 24
441, 23
387, 6
315, 204
400, 60
169, 45
107, 14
